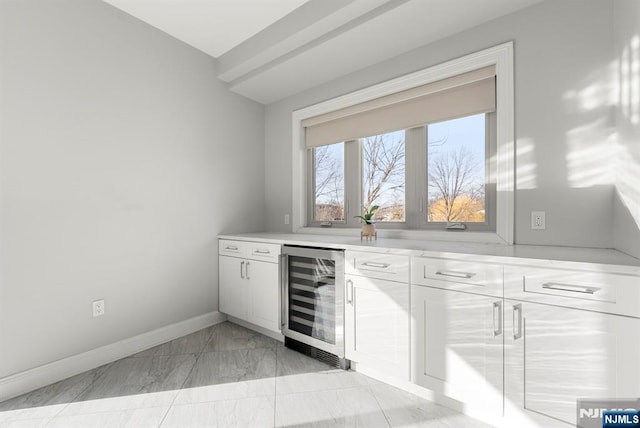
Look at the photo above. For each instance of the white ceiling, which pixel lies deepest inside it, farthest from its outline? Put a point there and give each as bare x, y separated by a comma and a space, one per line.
213, 26
267, 50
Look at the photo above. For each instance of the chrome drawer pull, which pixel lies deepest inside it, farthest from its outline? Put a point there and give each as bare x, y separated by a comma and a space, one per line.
376, 265
261, 252
454, 274
228, 247
569, 287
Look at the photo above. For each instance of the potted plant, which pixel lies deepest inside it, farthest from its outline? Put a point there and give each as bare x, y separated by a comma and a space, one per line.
369, 227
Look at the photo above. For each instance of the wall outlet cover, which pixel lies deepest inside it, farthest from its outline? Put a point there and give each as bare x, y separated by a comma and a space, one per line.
538, 220
98, 308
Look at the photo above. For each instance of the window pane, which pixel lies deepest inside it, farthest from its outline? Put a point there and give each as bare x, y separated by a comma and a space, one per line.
328, 167
456, 170
383, 175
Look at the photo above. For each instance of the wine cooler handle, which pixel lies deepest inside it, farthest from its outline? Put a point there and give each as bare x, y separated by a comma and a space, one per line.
284, 273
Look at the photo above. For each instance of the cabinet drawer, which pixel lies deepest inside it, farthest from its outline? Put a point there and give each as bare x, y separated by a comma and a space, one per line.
481, 278
266, 252
378, 265
598, 291
232, 248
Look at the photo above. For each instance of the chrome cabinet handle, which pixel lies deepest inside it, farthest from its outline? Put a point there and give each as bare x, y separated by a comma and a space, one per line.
258, 251
376, 265
517, 334
455, 274
349, 291
497, 305
246, 270
241, 266
232, 248
570, 287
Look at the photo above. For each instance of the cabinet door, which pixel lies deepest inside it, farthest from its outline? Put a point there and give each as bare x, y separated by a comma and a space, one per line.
457, 347
377, 324
232, 286
556, 355
263, 294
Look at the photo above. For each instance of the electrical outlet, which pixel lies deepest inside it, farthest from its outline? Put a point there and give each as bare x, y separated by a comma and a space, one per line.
286, 219
538, 220
98, 308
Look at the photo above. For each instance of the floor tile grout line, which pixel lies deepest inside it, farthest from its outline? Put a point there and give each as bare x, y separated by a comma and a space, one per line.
199, 354
275, 389
193, 367
369, 390
73, 400
164, 417
210, 336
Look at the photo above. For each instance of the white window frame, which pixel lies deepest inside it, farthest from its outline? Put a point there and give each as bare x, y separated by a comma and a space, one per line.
501, 57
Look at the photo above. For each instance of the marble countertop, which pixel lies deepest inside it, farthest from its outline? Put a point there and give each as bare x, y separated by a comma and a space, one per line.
544, 256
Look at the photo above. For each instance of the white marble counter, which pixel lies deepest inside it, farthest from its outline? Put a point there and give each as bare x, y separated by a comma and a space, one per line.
545, 256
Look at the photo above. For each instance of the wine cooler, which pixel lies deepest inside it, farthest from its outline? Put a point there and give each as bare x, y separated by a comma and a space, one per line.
313, 303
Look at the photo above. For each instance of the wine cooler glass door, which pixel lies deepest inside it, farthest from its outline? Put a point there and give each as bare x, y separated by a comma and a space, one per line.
314, 292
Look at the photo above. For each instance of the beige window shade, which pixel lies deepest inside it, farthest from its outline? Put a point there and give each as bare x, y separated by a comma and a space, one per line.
462, 95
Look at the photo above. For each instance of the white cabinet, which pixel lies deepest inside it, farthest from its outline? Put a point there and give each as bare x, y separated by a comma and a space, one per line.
557, 334
457, 347
556, 355
377, 312
250, 282
566, 348
232, 287
263, 294
457, 332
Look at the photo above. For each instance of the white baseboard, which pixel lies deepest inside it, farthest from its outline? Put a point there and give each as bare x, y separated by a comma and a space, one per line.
272, 334
28, 380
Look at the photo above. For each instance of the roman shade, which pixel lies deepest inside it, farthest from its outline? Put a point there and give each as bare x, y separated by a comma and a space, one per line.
461, 95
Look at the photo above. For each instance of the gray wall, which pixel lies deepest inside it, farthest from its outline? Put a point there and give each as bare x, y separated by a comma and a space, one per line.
627, 197
564, 120
121, 159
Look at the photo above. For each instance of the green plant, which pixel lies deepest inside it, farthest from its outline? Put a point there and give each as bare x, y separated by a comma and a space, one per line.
368, 215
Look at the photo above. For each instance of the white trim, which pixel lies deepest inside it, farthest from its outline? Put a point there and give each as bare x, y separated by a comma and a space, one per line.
501, 56
270, 333
29, 380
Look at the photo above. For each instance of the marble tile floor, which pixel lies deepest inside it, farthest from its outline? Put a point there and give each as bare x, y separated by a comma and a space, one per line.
223, 376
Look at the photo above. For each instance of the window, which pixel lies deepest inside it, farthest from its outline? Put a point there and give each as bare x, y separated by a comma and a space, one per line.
456, 173
383, 176
450, 167
433, 149
328, 183
461, 172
